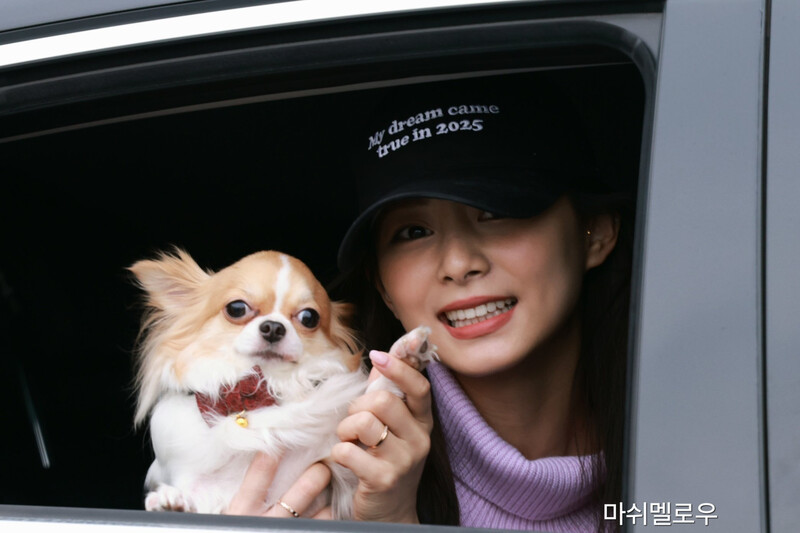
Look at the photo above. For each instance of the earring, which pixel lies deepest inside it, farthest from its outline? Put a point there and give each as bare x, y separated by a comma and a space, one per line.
588, 232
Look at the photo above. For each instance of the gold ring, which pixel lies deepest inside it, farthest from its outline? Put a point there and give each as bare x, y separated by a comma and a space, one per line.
383, 436
289, 508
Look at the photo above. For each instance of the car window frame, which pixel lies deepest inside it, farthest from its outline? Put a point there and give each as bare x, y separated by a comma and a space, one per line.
781, 256
633, 34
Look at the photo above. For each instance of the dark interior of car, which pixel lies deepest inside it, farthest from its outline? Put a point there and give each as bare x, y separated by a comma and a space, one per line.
221, 181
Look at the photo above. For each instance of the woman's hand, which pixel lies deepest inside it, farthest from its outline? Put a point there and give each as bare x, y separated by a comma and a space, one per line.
388, 470
252, 494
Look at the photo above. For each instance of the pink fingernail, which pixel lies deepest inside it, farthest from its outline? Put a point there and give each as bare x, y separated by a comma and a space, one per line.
379, 358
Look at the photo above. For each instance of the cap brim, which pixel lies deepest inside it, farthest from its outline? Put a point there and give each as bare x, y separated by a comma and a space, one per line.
506, 200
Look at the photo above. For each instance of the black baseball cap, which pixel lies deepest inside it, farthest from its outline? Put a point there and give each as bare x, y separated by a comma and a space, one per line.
501, 145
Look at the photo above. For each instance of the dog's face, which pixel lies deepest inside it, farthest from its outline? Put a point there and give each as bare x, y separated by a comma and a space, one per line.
266, 309
270, 306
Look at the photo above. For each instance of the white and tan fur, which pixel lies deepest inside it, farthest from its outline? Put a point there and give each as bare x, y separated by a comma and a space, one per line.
190, 344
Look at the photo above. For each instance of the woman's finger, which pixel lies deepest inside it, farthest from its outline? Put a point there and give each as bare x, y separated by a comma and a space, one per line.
363, 427
411, 381
374, 374
303, 492
326, 513
363, 464
251, 496
392, 411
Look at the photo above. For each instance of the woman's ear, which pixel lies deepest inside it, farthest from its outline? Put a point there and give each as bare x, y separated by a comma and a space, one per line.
601, 238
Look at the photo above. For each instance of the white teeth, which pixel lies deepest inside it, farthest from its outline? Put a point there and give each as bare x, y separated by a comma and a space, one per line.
466, 317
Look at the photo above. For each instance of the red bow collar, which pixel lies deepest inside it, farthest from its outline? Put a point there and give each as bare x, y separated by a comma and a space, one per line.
248, 394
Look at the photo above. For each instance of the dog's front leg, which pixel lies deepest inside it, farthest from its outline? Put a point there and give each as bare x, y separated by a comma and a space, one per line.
415, 349
168, 498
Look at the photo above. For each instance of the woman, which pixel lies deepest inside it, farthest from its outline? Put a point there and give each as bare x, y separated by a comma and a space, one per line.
483, 218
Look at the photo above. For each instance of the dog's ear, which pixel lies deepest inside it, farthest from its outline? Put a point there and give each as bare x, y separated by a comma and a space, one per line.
344, 336
171, 280
343, 312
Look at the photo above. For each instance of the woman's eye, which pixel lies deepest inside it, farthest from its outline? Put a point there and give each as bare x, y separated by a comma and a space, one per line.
308, 318
411, 233
237, 309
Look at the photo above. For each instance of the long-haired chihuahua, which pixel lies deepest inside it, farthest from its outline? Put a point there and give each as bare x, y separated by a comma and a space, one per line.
255, 357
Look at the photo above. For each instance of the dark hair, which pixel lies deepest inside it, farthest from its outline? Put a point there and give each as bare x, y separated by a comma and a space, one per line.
378, 329
600, 373
602, 365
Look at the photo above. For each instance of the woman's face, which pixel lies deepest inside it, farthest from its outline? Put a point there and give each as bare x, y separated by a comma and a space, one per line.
491, 289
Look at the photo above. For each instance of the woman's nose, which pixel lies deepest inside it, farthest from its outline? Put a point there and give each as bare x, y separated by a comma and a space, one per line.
461, 260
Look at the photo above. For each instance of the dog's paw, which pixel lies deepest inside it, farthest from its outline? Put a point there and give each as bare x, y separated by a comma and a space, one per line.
415, 348
167, 498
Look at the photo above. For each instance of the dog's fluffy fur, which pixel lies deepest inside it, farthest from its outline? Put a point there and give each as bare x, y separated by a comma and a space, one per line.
204, 331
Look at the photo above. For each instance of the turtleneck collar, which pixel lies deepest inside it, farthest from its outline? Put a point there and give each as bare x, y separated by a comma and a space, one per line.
541, 489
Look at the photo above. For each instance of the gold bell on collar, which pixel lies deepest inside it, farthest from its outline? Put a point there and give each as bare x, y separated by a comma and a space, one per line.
241, 420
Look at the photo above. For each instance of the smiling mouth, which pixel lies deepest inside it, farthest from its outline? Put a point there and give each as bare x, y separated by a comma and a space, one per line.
472, 315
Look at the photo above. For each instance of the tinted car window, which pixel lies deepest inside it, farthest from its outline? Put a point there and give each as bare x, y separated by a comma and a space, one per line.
222, 183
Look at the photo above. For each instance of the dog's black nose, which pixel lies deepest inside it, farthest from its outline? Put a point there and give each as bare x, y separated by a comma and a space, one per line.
272, 331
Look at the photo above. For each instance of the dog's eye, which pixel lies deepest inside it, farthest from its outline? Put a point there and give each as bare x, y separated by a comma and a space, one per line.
237, 309
309, 318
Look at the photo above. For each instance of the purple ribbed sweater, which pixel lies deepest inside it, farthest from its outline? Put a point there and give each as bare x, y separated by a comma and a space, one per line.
497, 487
